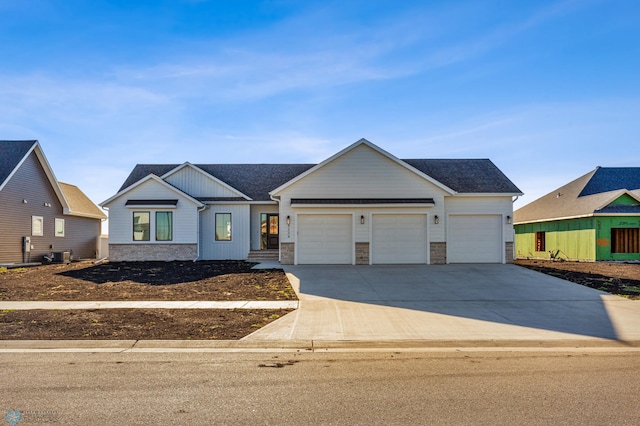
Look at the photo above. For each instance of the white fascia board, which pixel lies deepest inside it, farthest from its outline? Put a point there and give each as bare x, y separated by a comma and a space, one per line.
553, 219
86, 215
375, 148
209, 176
145, 179
51, 176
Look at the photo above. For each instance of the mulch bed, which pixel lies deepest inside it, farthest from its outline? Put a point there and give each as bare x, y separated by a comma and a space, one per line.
622, 279
144, 281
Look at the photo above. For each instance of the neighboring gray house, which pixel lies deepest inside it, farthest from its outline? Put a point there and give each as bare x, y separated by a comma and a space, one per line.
38, 214
361, 206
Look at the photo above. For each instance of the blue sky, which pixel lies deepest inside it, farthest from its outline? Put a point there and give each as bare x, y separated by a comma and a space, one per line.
548, 90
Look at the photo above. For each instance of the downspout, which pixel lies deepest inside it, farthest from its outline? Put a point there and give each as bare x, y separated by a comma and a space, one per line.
200, 210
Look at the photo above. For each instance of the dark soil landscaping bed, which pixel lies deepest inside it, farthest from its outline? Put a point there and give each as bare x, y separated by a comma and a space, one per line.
228, 280
622, 279
143, 281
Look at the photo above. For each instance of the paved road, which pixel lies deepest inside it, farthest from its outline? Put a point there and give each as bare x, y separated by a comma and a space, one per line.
571, 387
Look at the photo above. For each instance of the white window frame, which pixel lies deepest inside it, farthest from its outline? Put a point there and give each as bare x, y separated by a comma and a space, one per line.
59, 225
37, 226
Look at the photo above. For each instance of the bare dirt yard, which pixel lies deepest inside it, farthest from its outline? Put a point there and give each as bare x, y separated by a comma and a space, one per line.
622, 279
156, 281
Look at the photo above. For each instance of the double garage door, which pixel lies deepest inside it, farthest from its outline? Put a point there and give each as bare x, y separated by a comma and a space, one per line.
328, 239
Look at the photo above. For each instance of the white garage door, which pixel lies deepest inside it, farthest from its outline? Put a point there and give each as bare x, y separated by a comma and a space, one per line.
325, 239
474, 239
399, 239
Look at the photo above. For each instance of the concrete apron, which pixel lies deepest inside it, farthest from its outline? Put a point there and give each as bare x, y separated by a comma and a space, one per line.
448, 303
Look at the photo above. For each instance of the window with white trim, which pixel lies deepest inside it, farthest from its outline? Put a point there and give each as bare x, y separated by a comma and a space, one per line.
37, 226
59, 230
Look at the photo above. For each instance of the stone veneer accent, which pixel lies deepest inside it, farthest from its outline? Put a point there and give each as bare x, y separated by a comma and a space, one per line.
160, 252
508, 252
287, 253
362, 253
438, 253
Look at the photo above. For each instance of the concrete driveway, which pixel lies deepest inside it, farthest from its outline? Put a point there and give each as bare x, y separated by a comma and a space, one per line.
448, 303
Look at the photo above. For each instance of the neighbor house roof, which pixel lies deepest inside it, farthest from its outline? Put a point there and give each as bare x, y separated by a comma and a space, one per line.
11, 155
589, 194
257, 180
79, 203
74, 202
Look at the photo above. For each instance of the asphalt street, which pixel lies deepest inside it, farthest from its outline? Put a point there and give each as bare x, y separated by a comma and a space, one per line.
578, 386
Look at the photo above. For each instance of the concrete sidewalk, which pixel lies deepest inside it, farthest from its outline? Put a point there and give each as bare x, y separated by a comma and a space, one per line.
127, 304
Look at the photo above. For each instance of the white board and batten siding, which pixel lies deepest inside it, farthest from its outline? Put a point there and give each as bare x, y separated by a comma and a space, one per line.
185, 215
239, 246
198, 184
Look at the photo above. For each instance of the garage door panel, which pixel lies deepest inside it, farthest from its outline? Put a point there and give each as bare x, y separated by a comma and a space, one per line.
474, 239
325, 239
399, 239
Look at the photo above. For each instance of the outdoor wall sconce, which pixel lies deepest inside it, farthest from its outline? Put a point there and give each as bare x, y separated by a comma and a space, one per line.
509, 219
361, 220
288, 220
436, 219
24, 201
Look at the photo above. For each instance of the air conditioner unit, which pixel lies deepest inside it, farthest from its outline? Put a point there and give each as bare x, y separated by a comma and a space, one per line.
61, 257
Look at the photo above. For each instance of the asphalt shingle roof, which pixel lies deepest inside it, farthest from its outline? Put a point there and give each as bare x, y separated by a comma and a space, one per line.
79, 203
586, 195
466, 175
11, 153
607, 179
257, 180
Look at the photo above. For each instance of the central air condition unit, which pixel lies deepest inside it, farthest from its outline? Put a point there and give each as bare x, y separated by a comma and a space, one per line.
61, 257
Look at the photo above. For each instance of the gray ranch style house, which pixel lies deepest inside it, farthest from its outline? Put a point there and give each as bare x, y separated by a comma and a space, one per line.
362, 206
39, 215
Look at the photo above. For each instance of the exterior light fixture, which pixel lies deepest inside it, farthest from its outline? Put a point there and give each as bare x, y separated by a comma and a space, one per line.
24, 201
362, 220
509, 219
288, 220
436, 219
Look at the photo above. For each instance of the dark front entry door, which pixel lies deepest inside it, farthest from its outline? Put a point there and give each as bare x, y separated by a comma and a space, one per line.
270, 231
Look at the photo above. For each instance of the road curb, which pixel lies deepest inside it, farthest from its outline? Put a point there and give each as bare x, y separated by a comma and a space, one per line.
8, 346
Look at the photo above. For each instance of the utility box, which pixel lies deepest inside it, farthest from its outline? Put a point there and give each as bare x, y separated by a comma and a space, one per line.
61, 257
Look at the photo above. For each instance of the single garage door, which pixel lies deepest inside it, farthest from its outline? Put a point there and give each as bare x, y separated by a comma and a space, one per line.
475, 239
399, 239
325, 239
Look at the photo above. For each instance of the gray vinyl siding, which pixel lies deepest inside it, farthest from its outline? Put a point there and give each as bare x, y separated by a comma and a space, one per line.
30, 183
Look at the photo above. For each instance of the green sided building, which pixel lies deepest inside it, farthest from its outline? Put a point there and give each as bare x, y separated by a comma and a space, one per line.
595, 217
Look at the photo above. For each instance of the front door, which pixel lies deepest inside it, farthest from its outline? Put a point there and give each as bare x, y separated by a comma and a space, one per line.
270, 231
